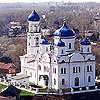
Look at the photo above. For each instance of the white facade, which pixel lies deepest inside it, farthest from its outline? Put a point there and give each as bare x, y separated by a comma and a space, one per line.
57, 66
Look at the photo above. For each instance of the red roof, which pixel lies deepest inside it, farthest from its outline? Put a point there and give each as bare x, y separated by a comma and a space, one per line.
7, 66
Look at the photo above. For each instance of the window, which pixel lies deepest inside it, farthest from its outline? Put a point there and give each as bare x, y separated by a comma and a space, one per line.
69, 45
37, 41
26, 72
81, 49
73, 69
88, 50
46, 48
64, 70
39, 67
54, 70
61, 70
54, 81
76, 81
90, 68
76, 70
79, 69
89, 79
44, 68
63, 81
37, 51
87, 68
62, 52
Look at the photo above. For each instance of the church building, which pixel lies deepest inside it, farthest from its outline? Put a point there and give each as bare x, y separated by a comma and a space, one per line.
57, 65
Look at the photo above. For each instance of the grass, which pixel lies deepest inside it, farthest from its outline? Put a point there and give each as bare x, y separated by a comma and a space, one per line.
2, 86
43, 90
26, 93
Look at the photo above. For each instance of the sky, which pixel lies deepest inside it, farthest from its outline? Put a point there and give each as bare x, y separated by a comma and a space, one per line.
11, 1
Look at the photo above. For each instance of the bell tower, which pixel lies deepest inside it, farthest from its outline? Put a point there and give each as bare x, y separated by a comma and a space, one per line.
34, 35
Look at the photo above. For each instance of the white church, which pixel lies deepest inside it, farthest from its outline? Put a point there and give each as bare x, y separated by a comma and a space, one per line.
57, 65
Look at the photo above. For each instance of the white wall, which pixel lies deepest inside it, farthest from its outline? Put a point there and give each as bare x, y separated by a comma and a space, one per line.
67, 41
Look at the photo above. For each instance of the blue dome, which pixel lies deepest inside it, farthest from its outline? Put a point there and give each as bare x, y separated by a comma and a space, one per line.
45, 42
85, 42
61, 43
64, 31
33, 16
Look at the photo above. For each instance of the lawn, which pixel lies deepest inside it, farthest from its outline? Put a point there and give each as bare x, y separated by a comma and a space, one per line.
26, 93
42, 90
2, 86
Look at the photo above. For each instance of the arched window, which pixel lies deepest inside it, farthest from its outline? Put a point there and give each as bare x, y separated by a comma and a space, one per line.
63, 81
81, 49
55, 70
64, 70
46, 48
88, 49
89, 79
76, 81
54, 81
73, 69
79, 69
61, 70
26, 72
76, 69
39, 67
44, 68
37, 41
90, 68
69, 45
37, 51
87, 68
62, 51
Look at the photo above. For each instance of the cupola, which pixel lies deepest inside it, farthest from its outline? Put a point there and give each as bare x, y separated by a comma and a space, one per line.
64, 31
33, 16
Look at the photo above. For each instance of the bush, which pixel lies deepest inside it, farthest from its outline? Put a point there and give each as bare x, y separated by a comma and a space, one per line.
2, 86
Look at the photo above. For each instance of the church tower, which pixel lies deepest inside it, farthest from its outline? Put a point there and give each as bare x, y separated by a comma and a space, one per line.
64, 40
85, 46
67, 35
89, 62
34, 35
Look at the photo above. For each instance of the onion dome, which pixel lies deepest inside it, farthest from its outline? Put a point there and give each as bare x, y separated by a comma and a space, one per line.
33, 16
64, 31
85, 42
45, 42
61, 43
